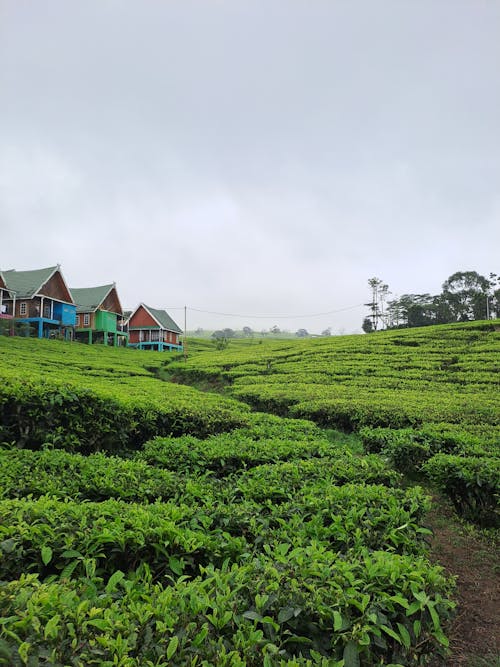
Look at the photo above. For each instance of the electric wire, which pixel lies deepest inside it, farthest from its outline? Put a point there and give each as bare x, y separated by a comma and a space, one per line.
266, 317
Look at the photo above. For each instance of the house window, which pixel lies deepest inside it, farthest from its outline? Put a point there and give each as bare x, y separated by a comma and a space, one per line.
155, 335
86, 319
77, 323
23, 308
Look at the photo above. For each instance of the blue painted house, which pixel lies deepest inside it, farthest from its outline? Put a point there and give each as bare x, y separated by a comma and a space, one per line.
41, 300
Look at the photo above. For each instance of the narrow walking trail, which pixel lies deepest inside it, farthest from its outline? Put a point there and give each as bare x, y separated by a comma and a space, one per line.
475, 632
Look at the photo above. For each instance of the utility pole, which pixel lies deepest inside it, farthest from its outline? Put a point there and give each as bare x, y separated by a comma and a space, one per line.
185, 346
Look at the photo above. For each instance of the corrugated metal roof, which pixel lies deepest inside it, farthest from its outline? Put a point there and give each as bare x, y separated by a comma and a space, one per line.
89, 298
27, 283
164, 319
161, 316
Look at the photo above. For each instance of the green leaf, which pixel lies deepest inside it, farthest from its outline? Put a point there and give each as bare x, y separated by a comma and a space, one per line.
99, 623
175, 565
69, 569
351, 655
338, 621
52, 628
414, 607
23, 651
286, 614
435, 617
46, 555
442, 638
8, 546
405, 635
71, 553
200, 637
252, 615
114, 579
172, 646
391, 633
400, 600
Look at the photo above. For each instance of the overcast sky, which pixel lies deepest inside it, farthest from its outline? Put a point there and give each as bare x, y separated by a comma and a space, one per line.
251, 157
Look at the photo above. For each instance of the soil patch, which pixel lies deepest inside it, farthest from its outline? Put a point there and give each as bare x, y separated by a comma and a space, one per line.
475, 632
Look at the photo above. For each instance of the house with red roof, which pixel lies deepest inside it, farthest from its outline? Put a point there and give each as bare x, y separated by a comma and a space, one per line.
153, 329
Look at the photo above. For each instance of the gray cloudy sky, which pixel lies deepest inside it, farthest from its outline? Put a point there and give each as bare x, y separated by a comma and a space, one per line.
255, 157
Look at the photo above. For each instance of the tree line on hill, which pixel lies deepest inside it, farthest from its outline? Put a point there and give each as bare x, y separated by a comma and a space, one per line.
465, 296
222, 336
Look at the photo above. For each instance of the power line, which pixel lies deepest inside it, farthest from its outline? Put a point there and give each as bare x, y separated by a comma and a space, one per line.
276, 317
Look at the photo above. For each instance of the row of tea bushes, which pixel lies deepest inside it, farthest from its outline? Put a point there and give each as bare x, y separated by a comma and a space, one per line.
350, 517
388, 379
346, 518
55, 537
408, 448
463, 466
226, 454
96, 477
69, 416
290, 607
471, 483
277, 482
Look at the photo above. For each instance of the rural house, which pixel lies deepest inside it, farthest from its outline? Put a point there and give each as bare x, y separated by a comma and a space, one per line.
5, 300
152, 329
99, 315
41, 300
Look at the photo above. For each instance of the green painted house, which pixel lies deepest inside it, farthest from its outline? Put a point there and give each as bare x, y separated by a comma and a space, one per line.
99, 315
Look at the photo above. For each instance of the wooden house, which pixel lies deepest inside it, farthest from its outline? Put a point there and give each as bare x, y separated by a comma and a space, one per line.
41, 300
99, 315
153, 329
6, 318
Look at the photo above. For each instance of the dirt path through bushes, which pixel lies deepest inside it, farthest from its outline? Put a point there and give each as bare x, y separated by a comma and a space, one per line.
475, 632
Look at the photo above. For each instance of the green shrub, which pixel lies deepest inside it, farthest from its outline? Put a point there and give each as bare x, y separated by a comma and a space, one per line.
95, 477
289, 607
472, 484
61, 538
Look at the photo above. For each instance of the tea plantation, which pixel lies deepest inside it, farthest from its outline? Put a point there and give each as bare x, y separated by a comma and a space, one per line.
144, 522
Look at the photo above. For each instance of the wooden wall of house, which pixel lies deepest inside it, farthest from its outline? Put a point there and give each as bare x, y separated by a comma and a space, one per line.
142, 318
90, 325
112, 303
56, 289
32, 308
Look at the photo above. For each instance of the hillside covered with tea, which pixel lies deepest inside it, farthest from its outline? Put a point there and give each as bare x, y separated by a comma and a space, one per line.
147, 522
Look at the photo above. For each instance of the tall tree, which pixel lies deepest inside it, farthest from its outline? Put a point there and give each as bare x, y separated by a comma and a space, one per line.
493, 300
302, 333
367, 325
467, 293
379, 292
